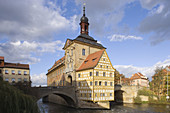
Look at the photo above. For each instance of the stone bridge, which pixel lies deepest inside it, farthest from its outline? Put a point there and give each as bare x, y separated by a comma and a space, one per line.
67, 93
125, 93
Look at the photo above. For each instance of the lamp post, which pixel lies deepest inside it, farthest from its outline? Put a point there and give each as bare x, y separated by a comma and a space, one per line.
167, 69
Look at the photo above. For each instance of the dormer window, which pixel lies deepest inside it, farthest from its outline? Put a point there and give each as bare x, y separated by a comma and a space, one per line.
83, 52
93, 59
85, 61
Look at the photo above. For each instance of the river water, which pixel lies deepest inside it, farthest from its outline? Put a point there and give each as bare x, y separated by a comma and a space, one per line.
125, 108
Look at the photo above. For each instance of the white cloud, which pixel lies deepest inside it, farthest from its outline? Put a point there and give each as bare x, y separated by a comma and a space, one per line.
39, 79
104, 15
22, 51
157, 22
117, 37
128, 70
32, 20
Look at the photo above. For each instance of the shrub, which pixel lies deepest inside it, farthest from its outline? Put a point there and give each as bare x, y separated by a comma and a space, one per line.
137, 100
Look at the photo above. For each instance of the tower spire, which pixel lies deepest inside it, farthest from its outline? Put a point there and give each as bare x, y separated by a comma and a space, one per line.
84, 9
84, 22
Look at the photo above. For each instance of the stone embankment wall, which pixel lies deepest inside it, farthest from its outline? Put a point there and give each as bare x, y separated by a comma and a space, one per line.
129, 93
125, 94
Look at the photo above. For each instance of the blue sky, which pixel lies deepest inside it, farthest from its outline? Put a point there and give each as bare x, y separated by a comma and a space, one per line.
135, 32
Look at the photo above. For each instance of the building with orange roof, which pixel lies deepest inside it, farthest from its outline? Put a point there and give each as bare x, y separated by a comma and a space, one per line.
139, 79
14, 72
86, 66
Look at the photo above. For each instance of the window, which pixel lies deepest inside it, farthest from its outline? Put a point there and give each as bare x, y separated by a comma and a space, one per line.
95, 94
13, 72
79, 75
111, 84
19, 72
106, 66
19, 79
85, 61
85, 94
6, 71
79, 84
97, 73
25, 79
100, 66
95, 83
25, 72
110, 74
90, 73
105, 83
83, 51
71, 52
100, 83
104, 74
85, 28
110, 94
6, 79
90, 95
103, 94
91, 83
103, 59
13, 79
81, 94
0, 71
93, 59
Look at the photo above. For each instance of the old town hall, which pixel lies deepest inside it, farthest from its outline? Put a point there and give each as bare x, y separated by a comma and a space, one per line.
86, 66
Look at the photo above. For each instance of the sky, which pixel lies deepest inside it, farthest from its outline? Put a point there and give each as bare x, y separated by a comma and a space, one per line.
135, 32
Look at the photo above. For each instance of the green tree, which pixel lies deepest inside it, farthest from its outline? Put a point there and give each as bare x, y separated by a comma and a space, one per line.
158, 82
12, 100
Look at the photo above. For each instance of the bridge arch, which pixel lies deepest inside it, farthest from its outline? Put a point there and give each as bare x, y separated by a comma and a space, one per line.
118, 95
69, 100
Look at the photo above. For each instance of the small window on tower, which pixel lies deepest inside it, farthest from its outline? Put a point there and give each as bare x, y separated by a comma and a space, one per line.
85, 28
83, 51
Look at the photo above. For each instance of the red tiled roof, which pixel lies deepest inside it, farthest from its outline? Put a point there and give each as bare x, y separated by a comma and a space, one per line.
16, 65
58, 61
91, 60
1, 58
138, 76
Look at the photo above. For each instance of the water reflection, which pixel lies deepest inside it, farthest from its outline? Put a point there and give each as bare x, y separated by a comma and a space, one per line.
126, 108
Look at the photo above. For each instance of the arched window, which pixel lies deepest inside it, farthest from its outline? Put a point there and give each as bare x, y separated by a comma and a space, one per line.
85, 28
83, 51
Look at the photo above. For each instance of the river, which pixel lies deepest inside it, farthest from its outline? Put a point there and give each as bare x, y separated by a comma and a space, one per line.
125, 108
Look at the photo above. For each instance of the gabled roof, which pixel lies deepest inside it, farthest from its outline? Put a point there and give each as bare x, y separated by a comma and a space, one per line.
138, 76
59, 61
91, 61
56, 64
16, 65
68, 42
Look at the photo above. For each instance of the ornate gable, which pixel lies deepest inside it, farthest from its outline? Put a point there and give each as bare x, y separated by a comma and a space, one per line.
68, 43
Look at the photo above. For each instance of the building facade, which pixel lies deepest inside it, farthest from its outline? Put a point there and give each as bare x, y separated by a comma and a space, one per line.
139, 79
159, 81
14, 72
86, 66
